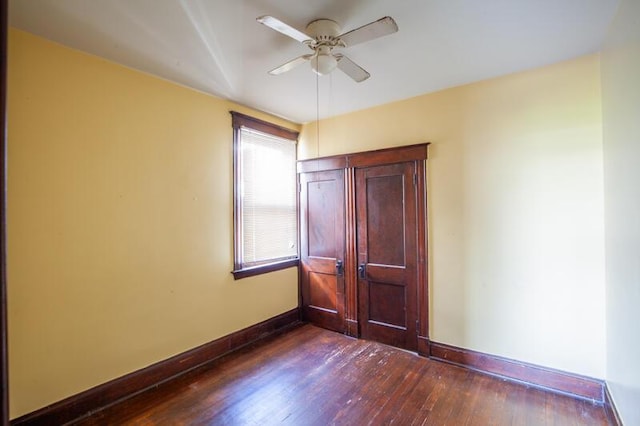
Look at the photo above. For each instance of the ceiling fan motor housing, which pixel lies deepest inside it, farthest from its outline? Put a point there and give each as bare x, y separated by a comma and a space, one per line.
323, 29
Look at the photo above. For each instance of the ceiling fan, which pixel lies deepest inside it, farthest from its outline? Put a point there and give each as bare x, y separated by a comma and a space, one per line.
322, 36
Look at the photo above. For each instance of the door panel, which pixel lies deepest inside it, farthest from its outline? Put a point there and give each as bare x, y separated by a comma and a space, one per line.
386, 304
322, 238
323, 292
387, 254
322, 205
385, 220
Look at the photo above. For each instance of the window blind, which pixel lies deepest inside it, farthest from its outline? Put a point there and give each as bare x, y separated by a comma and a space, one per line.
268, 198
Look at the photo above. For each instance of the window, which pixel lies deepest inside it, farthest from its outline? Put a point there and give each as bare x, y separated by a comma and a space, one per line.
265, 197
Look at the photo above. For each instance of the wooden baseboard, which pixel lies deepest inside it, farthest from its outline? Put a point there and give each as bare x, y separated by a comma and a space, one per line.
424, 346
533, 375
124, 387
610, 408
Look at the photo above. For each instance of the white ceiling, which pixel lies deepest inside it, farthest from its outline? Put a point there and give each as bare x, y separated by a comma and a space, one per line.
217, 46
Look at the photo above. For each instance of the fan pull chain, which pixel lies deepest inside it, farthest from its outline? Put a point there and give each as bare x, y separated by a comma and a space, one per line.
317, 122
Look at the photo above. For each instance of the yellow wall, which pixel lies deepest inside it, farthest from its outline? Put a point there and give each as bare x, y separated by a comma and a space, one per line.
119, 223
621, 123
515, 209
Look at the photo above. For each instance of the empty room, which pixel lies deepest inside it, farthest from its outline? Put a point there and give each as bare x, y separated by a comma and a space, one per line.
362, 212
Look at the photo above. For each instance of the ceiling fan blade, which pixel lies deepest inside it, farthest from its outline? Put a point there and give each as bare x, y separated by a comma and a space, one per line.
291, 64
381, 27
350, 68
283, 28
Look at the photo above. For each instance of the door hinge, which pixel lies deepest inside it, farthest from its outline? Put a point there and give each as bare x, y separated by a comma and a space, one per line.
415, 179
418, 326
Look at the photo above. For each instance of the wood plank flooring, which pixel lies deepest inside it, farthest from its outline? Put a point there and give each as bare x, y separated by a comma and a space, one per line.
311, 376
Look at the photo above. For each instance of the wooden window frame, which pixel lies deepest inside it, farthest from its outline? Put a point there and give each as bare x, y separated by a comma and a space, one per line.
238, 121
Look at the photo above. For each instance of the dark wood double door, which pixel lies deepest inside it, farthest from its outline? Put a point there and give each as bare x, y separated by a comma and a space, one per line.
362, 221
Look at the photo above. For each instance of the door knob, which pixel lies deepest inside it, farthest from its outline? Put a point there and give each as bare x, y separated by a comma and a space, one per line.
361, 269
339, 267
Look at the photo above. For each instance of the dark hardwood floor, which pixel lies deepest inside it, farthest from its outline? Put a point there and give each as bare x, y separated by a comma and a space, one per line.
311, 376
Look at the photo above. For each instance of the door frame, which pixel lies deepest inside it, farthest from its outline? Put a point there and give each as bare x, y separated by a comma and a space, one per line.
350, 162
4, 378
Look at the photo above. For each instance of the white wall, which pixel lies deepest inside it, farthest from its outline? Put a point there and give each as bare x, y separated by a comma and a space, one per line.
621, 125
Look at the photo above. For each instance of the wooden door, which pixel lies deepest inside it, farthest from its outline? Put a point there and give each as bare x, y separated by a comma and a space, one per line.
322, 246
387, 253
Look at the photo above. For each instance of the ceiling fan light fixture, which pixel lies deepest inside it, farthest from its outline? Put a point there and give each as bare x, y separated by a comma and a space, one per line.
324, 63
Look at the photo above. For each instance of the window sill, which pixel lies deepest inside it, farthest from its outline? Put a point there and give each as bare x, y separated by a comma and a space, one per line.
263, 269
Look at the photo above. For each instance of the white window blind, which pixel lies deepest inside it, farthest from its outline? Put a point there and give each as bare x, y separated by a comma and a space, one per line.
268, 198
